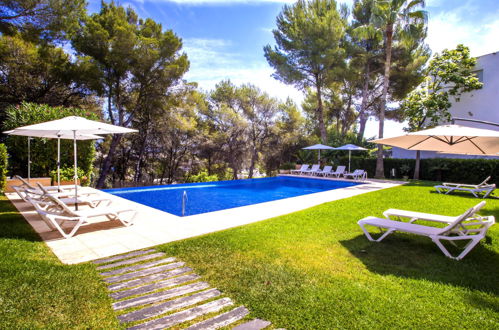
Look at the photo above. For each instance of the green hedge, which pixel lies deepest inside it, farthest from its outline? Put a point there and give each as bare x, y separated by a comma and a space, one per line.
3, 166
434, 169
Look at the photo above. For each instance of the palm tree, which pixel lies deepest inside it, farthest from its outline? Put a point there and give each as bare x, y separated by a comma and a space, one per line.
390, 17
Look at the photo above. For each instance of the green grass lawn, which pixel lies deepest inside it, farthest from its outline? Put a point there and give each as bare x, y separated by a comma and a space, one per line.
38, 291
315, 268
310, 269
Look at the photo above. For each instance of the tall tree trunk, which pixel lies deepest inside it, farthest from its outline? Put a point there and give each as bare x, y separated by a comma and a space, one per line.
363, 104
380, 171
320, 113
115, 141
138, 168
254, 159
417, 165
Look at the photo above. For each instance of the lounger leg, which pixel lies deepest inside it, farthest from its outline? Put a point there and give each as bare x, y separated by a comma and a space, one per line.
488, 193
369, 237
59, 228
472, 243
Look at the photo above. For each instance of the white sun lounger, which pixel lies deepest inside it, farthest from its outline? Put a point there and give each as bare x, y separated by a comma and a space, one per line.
325, 171
356, 175
55, 210
396, 214
340, 170
314, 169
64, 188
483, 188
93, 201
462, 228
304, 167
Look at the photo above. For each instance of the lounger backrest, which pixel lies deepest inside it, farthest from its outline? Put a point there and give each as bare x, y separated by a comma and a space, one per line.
315, 167
340, 169
327, 169
469, 213
61, 204
24, 182
485, 181
42, 188
303, 167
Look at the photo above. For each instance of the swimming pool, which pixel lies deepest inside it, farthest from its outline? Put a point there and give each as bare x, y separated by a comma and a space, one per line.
214, 196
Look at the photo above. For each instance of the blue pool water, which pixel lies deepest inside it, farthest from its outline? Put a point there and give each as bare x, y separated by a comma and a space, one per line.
214, 196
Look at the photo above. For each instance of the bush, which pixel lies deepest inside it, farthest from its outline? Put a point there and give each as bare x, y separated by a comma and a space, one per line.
44, 151
288, 166
201, 177
3, 166
434, 169
67, 174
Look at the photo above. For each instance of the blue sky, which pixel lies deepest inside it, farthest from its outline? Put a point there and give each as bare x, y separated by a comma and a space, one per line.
224, 39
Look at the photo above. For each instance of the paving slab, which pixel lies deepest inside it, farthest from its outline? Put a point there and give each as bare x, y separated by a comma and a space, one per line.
143, 272
221, 320
154, 286
255, 324
138, 267
171, 305
132, 261
185, 315
149, 279
160, 296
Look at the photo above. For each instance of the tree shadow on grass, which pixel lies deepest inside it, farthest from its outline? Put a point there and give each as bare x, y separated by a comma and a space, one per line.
410, 256
13, 225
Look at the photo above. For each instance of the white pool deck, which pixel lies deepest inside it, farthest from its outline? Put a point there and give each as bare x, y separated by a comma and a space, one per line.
103, 238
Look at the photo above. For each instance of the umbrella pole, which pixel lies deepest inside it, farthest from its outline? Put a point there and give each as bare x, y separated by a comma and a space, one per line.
29, 158
76, 171
349, 156
319, 160
59, 164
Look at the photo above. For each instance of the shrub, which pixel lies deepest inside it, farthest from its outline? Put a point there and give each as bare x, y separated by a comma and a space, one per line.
288, 166
434, 169
67, 174
201, 177
3, 166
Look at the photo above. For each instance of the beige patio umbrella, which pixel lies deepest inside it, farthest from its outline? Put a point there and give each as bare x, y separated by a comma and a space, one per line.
319, 147
74, 125
454, 139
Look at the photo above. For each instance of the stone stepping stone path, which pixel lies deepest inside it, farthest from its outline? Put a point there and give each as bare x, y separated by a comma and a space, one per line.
152, 291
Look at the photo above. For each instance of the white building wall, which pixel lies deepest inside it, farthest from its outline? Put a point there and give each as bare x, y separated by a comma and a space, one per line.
482, 104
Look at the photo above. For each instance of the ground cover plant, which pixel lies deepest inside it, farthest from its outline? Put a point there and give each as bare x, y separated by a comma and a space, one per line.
315, 269
38, 291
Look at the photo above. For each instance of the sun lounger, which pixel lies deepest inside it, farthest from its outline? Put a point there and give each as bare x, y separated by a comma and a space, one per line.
465, 227
395, 214
65, 188
483, 189
314, 169
93, 201
325, 171
340, 170
356, 175
304, 167
55, 210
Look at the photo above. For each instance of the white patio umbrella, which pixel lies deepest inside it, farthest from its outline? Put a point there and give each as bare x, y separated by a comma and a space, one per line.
350, 148
76, 125
42, 134
319, 147
454, 139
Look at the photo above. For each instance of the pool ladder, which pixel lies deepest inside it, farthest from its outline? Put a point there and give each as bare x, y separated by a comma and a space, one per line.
184, 202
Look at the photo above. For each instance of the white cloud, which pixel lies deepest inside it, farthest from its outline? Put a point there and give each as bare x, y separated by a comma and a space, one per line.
212, 62
448, 29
